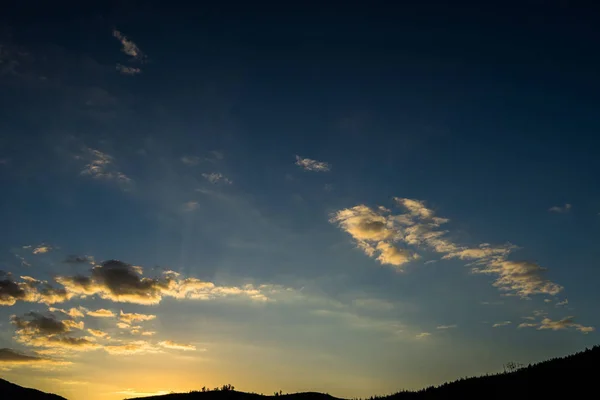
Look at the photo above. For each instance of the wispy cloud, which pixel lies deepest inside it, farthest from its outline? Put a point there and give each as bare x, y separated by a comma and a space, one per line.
212, 157
503, 323
190, 160
562, 303
169, 344
98, 333
216, 177
423, 335
558, 209
312, 165
548, 324
130, 318
74, 259
73, 312
41, 249
101, 166
442, 327
125, 70
100, 313
189, 206
128, 46
377, 230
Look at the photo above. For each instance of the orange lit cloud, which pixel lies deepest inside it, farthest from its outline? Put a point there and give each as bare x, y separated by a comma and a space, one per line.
169, 344
377, 232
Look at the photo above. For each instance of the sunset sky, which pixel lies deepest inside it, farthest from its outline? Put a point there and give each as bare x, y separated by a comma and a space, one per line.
350, 199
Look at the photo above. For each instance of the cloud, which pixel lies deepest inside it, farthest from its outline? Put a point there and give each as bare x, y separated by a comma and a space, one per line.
73, 312
37, 324
74, 259
123, 325
100, 313
562, 303
562, 324
121, 282
118, 281
190, 206
190, 161
503, 323
373, 232
129, 47
98, 333
527, 325
312, 165
125, 70
377, 232
130, 318
42, 249
442, 327
169, 344
423, 335
564, 209
11, 358
55, 335
392, 255
31, 290
101, 166
134, 347
216, 177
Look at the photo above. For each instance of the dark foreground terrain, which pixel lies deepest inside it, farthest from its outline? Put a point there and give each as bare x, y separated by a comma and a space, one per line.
567, 377
10, 391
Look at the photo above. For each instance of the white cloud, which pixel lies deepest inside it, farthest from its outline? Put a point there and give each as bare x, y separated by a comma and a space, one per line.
558, 209
216, 177
312, 165
503, 323
423, 335
377, 232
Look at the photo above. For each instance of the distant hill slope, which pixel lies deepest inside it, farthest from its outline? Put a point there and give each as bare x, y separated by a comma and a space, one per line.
235, 395
11, 391
568, 377
560, 378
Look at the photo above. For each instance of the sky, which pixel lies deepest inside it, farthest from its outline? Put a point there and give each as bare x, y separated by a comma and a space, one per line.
352, 199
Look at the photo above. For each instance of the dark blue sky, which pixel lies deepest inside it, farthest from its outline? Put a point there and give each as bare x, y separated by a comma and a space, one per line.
251, 145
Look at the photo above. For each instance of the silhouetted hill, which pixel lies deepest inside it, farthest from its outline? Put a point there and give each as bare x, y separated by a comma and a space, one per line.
235, 395
11, 391
566, 377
